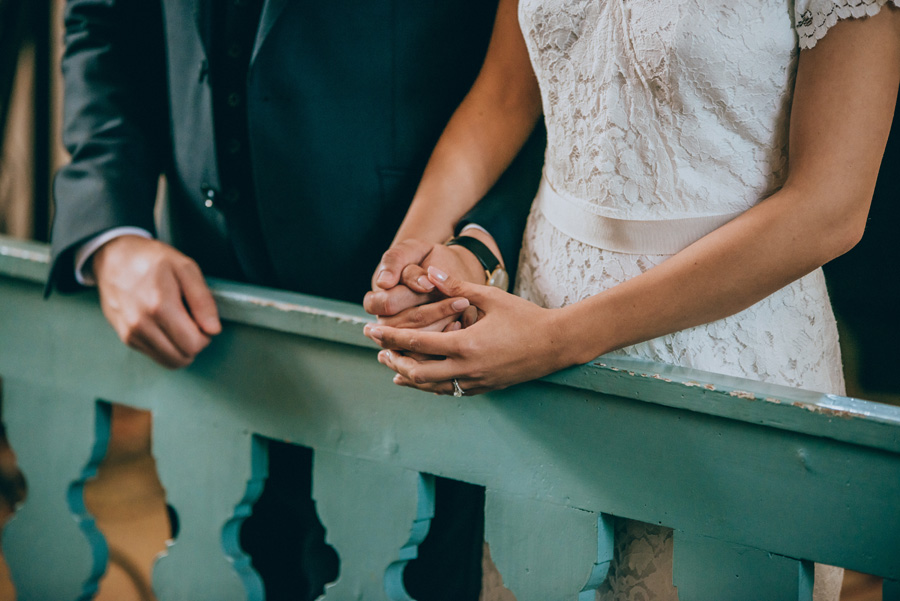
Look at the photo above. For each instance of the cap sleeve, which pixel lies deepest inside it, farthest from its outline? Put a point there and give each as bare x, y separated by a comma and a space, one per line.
813, 18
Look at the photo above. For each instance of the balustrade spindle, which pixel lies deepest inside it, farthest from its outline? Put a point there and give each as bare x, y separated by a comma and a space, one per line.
756, 480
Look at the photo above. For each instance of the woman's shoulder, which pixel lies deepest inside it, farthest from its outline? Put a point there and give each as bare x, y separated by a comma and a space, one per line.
813, 18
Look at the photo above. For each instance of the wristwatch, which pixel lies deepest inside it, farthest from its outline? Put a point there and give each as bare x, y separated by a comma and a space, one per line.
495, 275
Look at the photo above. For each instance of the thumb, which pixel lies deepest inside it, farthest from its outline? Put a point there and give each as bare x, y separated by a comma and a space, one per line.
408, 252
451, 286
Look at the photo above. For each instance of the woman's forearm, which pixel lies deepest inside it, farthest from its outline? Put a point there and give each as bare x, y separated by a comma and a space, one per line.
482, 138
730, 269
841, 114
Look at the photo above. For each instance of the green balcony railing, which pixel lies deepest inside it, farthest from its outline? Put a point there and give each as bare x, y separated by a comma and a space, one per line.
757, 481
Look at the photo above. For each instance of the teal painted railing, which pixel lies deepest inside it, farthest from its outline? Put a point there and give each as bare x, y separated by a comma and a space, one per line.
757, 481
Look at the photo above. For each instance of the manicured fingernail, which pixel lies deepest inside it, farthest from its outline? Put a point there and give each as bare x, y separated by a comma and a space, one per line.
437, 274
396, 379
383, 276
375, 333
454, 326
425, 283
385, 357
460, 304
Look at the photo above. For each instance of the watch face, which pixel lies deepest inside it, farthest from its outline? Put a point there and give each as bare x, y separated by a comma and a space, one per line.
499, 279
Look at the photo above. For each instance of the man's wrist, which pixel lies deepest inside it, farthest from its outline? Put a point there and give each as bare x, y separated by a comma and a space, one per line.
84, 256
472, 268
482, 235
490, 263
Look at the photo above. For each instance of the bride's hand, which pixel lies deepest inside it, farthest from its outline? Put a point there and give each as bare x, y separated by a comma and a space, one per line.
402, 296
512, 341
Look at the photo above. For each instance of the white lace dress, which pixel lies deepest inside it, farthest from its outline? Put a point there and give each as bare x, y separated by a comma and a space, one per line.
665, 119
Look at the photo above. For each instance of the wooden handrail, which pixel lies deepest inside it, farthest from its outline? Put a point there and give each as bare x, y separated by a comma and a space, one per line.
764, 478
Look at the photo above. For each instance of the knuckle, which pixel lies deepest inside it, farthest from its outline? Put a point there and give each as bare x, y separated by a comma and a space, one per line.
392, 255
155, 310
132, 324
191, 265
195, 346
409, 243
411, 275
183, 261
130, 335
417, 316
465, 347
153, 304
369, 302
412, 344
416, 377
390, 306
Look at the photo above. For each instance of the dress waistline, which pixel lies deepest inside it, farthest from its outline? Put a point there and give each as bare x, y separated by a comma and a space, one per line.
639, 237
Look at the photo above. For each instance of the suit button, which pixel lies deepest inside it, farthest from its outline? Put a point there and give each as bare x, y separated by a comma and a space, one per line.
209, 195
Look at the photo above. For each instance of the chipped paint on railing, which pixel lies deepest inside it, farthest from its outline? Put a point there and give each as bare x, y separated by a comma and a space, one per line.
829, 411
700, 384
287, 307
862, 422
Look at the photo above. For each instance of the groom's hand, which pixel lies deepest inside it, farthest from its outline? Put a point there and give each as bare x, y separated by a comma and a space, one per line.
155, 298
403, 296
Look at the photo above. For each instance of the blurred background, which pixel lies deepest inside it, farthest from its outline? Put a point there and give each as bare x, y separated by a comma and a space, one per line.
30, 114
127, 498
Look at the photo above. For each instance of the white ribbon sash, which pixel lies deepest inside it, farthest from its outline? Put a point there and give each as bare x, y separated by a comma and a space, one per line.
578, 220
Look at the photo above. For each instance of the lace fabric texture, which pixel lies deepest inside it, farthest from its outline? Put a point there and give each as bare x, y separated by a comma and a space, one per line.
670, 110
816, 17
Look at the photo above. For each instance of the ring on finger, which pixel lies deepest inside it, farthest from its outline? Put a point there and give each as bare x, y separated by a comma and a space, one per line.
457, 390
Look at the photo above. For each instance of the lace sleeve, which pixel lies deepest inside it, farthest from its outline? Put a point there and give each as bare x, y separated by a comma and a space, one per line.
815, 17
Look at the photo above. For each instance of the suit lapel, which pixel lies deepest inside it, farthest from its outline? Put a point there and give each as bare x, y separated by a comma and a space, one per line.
271, 11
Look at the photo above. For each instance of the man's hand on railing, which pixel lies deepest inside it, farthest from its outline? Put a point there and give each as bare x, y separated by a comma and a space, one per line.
156, 299
403, 297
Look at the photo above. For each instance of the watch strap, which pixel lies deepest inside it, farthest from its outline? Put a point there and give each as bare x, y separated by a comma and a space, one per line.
494, 273
475, 246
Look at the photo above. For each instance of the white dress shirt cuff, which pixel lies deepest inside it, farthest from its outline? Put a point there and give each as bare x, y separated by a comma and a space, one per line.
87, 250
474, 226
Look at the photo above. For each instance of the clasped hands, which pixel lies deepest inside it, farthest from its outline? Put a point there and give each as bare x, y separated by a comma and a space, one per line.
438, 322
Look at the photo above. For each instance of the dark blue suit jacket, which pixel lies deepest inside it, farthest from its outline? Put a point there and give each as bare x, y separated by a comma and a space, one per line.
346, 99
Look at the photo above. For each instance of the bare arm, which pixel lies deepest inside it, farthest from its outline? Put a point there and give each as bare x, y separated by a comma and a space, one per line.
481, 139
841, 114
844, 100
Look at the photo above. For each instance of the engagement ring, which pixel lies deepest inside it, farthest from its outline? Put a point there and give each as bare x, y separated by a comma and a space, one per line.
457, 391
